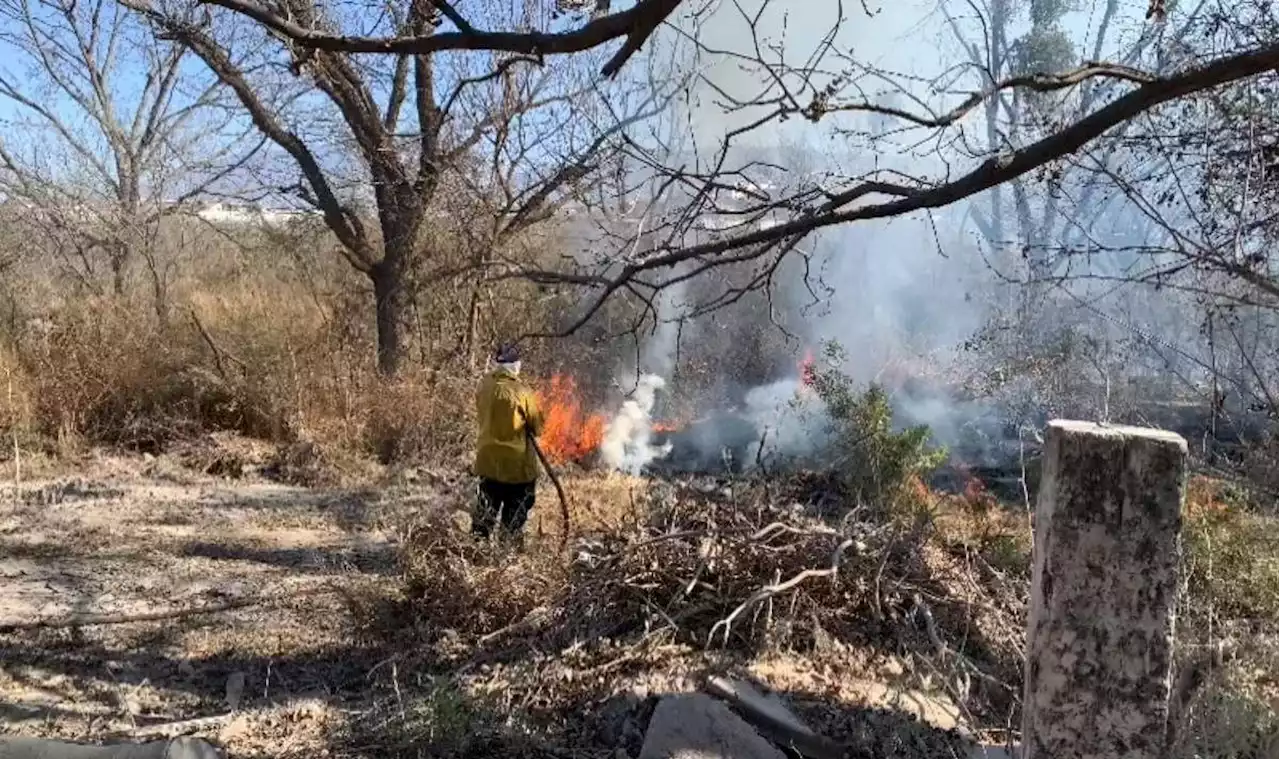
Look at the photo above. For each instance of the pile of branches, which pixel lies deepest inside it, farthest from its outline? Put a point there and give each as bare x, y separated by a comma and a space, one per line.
742, 573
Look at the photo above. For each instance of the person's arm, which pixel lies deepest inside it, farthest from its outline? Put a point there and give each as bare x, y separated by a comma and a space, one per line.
533, 418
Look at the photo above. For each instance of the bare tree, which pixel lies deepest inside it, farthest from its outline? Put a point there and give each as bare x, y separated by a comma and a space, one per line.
772, 209
515, 138
828, 86
112, 132
1014, 223
1188, 206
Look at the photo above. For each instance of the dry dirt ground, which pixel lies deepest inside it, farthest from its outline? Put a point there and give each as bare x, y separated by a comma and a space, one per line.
275, 664
132, 537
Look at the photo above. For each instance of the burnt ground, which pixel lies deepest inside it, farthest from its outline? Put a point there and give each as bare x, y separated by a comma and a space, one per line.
281, 663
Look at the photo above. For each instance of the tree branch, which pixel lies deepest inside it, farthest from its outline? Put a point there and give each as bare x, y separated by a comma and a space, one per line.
635, 25
346, 226
819, 106
991, 173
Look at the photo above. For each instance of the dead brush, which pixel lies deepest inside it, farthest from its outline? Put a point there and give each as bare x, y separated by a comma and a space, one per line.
755, 577
740, 575
418, 416
111, 378
456, 586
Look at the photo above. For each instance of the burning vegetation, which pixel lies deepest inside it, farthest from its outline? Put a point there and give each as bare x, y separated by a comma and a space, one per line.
569, 434
633, 438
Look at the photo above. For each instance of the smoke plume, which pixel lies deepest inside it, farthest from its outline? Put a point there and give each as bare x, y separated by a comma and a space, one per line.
934, 307
626, 446
790, 419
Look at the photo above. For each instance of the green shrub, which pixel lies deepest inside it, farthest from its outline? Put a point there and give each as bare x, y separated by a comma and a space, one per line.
876, 463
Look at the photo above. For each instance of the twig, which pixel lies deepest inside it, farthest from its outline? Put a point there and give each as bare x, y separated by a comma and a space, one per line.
945, 650
771, 590
180, 727
760, 451
930, 626
535, 615
395, 684
877, 604
755, 535
1022, 480
218, 353
555, 480
122, 698
678, 535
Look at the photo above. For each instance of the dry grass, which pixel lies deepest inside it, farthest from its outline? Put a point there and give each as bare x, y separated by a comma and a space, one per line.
475, 651
1233, 710
698, 576
738, 571
256, 338
1232, 568
1228, 627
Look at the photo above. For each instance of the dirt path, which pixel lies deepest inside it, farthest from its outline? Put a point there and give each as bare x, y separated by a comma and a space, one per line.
127, 541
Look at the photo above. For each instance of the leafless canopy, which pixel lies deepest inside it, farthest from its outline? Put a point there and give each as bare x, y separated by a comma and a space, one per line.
764, 224
667, 239
93, 158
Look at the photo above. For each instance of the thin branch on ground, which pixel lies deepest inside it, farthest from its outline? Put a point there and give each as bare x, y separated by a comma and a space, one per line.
771, 590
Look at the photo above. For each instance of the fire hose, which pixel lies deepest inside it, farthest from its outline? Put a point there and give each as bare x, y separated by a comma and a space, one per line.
555, 480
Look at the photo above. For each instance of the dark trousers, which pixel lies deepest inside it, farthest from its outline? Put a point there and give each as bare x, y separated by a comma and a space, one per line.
510, 502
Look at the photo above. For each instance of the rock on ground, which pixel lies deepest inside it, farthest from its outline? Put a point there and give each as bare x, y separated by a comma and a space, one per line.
695, 726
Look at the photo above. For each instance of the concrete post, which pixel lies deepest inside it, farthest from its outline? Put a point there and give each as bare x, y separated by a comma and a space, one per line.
1104, 589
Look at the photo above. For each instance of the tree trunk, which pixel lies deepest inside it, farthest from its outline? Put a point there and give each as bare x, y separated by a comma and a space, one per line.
393, 304
119, 259
400, 210
473, 325
159, 288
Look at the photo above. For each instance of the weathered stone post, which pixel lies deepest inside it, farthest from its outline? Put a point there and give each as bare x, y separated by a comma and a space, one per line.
1104, 589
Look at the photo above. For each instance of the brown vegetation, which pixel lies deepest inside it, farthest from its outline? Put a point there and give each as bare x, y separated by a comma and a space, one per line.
266, 339
692, 578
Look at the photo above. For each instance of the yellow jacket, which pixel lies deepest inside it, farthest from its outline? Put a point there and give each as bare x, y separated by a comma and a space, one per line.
505, 407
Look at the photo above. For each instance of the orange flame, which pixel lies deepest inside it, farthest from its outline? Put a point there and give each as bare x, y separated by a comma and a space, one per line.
806, 368
975, 493
568, 434
808, 376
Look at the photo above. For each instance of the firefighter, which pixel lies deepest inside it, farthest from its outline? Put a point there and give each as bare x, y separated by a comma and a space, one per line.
507, 414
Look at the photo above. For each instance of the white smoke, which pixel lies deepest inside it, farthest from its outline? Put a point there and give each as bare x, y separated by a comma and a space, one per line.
626, 445
662, 348
790, 417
